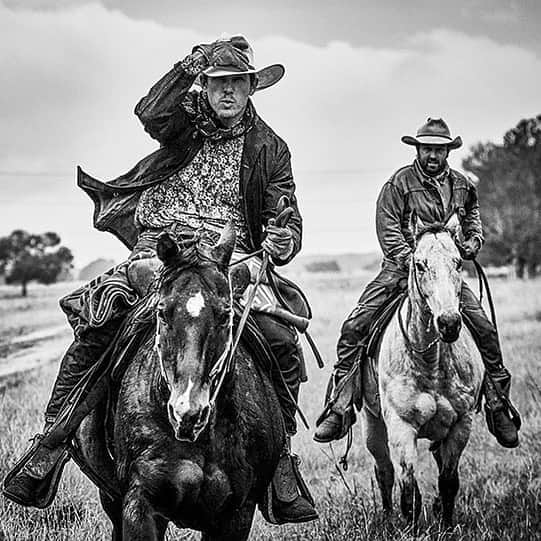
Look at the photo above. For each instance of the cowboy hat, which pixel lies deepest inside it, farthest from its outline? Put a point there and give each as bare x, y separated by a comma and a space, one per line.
235, 56
434, 132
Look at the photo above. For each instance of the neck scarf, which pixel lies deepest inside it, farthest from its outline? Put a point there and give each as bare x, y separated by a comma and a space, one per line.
207, 123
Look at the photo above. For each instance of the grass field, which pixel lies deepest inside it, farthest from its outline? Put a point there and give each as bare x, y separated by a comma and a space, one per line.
500, 496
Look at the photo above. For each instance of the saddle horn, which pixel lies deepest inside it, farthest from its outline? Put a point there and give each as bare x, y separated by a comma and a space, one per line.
223, 249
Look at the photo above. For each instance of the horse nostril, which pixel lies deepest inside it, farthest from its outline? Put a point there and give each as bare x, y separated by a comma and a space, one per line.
204, 414
449, 326
171, 412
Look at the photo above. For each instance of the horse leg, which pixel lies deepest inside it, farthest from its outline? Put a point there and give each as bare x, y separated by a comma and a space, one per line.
403, 445
377, 444
113, 509
236, 528
447, 455
139, 523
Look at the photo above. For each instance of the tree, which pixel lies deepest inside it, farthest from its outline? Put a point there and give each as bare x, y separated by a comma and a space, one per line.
510, 193
25, 257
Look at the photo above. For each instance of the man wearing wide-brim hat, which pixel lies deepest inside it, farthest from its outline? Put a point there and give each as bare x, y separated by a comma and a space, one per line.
434, 192
217, 162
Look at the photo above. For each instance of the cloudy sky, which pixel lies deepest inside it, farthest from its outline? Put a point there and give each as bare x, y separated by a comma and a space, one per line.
359, 75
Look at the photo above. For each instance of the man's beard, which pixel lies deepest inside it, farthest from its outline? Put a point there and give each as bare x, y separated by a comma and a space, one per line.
433, 172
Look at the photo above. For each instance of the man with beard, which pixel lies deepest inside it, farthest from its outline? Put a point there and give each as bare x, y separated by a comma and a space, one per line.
434, 192
218, 162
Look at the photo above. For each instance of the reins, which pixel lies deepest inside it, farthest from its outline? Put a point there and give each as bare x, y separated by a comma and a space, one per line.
409, 344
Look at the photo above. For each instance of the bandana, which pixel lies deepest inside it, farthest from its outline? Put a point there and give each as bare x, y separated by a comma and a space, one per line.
207, 123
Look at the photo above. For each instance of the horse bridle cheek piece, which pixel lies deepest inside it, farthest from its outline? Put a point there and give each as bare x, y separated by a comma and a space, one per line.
412, 349
223, 365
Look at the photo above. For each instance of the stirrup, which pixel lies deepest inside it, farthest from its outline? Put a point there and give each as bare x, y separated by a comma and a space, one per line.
40, 484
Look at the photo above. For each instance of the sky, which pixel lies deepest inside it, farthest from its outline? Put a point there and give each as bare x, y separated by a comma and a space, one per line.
359, 75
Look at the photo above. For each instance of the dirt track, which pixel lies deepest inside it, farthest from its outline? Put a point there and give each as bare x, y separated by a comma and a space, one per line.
34, 349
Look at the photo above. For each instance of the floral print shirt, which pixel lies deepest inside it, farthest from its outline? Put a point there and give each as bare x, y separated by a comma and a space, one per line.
202, 196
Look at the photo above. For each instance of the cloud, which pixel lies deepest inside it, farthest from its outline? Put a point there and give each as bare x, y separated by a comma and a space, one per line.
72, 77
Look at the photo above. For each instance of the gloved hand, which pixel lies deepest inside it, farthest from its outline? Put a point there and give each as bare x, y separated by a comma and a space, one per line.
230, 53
215, 50
204, 49
470, 248
279, 241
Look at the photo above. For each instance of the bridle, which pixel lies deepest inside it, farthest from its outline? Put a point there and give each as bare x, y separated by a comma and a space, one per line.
424, 299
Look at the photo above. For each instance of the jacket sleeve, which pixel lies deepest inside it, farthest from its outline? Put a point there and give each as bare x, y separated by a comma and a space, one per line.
390, 210
161, 111
281, 183
471, 223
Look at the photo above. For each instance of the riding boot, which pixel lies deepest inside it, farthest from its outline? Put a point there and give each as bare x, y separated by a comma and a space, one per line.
33, 480
502, 418
339, 415
292, 502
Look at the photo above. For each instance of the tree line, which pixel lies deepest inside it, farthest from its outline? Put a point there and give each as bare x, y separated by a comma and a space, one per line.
509, 185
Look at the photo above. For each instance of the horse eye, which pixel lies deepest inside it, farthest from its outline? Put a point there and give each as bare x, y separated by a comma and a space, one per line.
222, 318
419, 266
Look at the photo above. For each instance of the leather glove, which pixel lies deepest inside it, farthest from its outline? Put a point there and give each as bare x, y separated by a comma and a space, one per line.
279, 241
205, 50
470, 248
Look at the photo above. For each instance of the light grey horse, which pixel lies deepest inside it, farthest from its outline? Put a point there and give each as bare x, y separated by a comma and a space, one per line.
429, 377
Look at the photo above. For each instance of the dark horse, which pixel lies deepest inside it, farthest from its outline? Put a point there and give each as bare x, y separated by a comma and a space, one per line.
195, 444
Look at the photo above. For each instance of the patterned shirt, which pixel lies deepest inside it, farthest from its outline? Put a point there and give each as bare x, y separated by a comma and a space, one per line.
202, 196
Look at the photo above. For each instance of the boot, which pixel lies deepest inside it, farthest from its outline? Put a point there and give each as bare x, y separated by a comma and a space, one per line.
288, 504
34, 479
498, 408
338, 416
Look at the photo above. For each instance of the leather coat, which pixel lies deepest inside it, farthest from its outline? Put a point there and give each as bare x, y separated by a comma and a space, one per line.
265, 173
408, 190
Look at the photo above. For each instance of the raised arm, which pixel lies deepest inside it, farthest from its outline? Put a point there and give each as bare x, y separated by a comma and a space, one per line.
161, 111
389, 218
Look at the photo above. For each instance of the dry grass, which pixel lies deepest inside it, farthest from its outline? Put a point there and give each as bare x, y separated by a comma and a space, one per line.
500, 496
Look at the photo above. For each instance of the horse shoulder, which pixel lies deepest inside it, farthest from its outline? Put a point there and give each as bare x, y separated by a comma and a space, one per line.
465, 376
397, 380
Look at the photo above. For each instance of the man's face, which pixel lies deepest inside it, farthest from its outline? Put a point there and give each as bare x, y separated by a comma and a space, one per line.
228, 97
432, 158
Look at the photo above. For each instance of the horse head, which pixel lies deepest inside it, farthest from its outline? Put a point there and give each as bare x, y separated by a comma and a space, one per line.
194, 327
435, 279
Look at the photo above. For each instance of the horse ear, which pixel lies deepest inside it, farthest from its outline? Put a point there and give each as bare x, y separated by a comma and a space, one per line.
223, 250
240, 278
166, 248
414, 226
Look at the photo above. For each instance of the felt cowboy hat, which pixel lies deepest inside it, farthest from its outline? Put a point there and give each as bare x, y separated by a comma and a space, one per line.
434, 132
234, 56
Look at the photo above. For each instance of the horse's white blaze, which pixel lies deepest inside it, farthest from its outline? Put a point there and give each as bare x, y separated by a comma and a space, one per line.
195, 304
182, 404
157, 349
